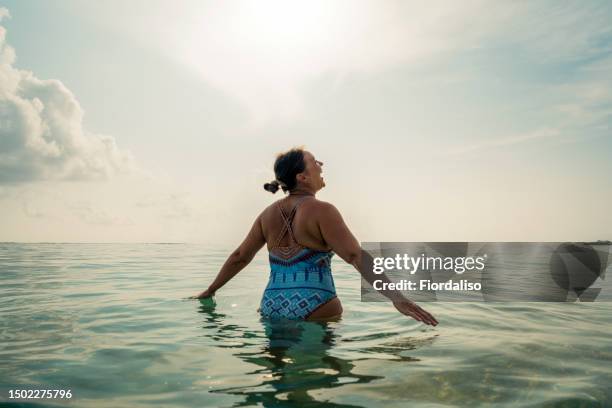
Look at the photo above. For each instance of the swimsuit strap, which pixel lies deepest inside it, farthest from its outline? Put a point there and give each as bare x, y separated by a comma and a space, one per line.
287, 221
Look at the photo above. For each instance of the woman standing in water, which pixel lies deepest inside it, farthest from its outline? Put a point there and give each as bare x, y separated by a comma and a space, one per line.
302, 233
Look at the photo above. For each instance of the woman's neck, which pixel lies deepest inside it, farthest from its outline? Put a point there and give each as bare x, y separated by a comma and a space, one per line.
301, 192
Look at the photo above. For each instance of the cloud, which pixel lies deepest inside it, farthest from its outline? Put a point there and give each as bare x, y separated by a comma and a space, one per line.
569, 31
41, 130
265, 55
507, 141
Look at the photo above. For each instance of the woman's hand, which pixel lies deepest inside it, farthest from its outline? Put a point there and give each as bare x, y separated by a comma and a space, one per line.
205, 294
413, 310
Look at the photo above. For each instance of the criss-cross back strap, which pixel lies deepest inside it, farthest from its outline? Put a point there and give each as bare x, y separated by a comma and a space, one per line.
287, 222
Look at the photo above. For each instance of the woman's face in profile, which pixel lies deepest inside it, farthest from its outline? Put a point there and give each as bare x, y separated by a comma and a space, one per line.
313, 172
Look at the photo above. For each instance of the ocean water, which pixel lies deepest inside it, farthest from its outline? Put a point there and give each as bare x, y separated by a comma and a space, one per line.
111, 323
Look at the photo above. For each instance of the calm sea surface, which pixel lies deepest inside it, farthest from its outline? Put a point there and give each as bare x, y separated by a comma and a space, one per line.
111, 323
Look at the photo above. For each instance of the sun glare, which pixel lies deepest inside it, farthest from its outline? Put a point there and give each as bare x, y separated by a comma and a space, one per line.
280, 34
260, 50
283, 24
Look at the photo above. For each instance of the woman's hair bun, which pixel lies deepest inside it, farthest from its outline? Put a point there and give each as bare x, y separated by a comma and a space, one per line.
286, 167
272, 186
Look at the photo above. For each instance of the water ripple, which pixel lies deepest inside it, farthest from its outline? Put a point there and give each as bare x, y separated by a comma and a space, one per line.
111, 322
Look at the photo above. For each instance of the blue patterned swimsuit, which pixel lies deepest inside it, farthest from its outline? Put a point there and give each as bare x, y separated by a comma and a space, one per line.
300, 278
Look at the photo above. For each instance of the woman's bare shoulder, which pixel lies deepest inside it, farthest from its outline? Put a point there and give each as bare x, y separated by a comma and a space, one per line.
319, 207
268, 210
315, 202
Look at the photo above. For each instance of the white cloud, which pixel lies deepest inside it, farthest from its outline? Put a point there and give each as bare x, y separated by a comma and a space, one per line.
41, 130
507, 141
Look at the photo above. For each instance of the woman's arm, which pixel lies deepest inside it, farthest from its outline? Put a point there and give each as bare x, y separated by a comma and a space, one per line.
238, 259
336, 234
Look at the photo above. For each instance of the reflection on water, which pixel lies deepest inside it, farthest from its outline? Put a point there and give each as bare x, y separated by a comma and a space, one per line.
294, 360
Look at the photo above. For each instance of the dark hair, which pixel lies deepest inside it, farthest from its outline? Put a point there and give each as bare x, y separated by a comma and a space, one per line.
286, 167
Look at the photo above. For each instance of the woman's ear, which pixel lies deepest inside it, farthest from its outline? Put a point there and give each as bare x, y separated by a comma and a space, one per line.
300, 177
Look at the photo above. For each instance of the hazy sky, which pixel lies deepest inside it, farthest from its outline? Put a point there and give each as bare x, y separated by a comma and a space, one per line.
158, 121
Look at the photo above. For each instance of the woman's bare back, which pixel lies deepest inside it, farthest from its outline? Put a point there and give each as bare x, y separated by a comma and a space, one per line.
306, 232
305, 223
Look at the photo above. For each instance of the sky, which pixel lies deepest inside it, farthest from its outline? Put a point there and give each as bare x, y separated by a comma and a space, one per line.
157, 121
